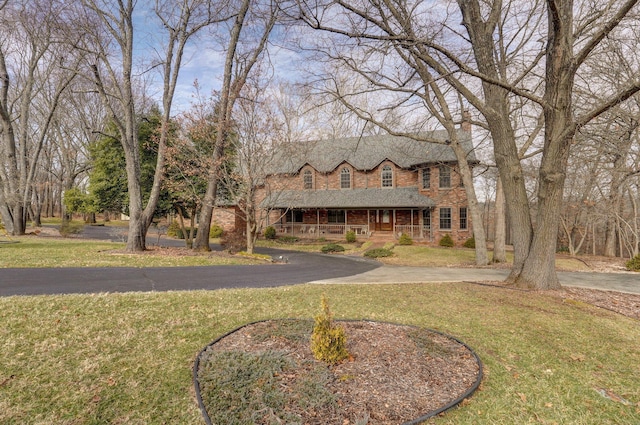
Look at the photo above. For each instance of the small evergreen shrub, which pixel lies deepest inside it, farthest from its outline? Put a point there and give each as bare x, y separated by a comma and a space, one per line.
216, 231
405, 239
350, 236
378, 252
328, 340
634, 264
173, 228
270, 232
470, 243
446, 241
332, 247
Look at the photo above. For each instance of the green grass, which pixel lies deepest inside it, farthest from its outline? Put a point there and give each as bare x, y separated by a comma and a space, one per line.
32, 251
428, 256
127, 358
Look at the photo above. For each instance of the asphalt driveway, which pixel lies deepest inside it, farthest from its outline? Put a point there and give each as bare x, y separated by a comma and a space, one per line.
301, 267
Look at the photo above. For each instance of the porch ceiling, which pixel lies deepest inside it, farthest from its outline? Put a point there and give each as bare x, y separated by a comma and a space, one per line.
405, 197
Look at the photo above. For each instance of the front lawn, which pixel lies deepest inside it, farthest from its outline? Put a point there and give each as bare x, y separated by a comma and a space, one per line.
32, 251
127, 358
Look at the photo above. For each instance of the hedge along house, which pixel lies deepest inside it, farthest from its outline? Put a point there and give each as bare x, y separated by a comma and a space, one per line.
382, 185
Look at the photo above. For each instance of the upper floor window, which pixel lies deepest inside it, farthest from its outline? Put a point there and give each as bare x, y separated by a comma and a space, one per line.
345, 178
426, 178
387, 176
307, 179
463, 218
445, 177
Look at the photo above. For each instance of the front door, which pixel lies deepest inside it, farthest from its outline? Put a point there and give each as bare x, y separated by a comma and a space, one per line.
386, 220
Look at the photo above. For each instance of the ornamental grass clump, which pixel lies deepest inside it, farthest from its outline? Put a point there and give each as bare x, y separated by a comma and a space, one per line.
328, 340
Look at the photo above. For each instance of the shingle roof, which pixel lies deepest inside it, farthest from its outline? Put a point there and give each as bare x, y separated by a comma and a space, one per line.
366, 153
400, 197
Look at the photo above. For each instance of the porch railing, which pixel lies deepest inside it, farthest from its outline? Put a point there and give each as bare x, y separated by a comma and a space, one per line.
328, 230
414, 230
319, 230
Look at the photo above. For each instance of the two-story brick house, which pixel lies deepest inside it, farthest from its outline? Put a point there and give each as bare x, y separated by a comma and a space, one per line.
371, 185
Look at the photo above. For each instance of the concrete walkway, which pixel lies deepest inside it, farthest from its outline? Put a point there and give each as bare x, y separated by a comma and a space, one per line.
622, 282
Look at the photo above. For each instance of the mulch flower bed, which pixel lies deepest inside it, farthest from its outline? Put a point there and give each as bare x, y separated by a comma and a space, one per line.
396, 374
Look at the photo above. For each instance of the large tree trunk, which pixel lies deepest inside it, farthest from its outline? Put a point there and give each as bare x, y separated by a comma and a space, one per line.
497, 113
513, 182
539, 268
136, 237
499, 240
229, 92
201, 242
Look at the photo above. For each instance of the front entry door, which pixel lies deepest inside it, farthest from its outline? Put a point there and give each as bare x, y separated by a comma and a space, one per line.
386, 222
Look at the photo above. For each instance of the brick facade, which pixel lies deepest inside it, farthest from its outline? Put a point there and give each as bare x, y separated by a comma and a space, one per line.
370, 185
452, 197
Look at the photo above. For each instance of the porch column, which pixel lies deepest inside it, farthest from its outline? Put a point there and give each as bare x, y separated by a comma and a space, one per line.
368, 221
394, 221
412, 234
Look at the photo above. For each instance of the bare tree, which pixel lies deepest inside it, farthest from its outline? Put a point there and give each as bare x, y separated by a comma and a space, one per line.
34, 73
242, 55
116, 84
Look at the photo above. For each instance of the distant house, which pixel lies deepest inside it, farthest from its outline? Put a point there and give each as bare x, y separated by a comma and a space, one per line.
371, 185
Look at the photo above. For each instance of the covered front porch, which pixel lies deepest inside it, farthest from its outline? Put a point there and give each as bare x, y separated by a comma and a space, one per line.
332, 213
335, 223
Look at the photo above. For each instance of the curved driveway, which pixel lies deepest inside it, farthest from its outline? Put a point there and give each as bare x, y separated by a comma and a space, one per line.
302, 267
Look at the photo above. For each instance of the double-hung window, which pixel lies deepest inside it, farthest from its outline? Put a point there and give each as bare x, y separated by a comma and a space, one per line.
387, 176
426, 178
307, 179
445, 218
345, 178
463, 218
445, 177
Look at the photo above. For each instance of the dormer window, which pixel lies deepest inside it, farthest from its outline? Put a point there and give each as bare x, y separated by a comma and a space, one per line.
387, 176
345, 178
307, 179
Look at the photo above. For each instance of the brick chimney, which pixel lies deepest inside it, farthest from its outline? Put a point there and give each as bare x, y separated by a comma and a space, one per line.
466, 121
